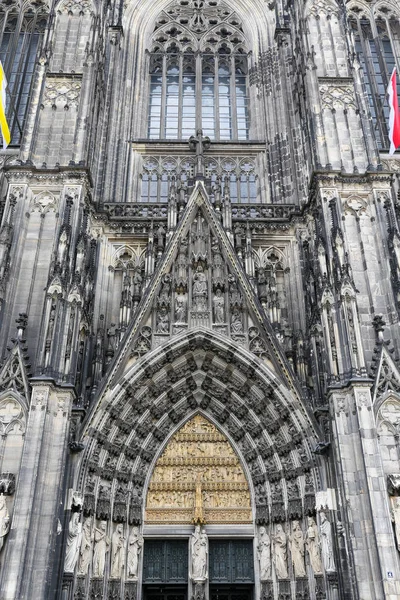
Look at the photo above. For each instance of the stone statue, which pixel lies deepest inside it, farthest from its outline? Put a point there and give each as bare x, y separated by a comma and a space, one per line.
264, 554
134, 549
162, 320
137, 283
4, 520
117, 551
280, 553
296, 540
73, 543
199, 554
219, 307
200, 290
101, 547
180, 308
325, 530
236, 321
312, 544
86, 547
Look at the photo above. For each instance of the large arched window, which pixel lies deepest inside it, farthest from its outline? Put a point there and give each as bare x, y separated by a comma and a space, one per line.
198, 73
377, 43
21, 36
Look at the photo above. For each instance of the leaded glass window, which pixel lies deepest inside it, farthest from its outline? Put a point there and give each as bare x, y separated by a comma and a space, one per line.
21, 37
377, 46
198, 73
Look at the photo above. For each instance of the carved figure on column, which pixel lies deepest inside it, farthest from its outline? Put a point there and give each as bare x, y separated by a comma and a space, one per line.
134, 550
200, 290
73, 543
264, 554
180, 308
117, 551
137, 284
296, 541
312, 544
199, 554
4, 520
280, 552
86, 547
219, 307
101, 547
236, 321
325, 529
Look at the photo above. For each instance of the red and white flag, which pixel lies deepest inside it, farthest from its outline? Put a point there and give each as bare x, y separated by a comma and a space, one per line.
394, 116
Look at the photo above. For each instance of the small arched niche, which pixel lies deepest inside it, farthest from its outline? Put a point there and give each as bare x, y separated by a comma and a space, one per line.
198, 477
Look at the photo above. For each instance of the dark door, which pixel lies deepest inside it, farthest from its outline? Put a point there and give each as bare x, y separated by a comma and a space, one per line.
165, 592
231, 592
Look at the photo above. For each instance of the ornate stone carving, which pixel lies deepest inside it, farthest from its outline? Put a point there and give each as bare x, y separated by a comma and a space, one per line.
117, 551
264, 554
199, 550
198, 454
279, 555
62, 91
296, 541
313, 548
135, 546
325, 530
73, 543
101, 548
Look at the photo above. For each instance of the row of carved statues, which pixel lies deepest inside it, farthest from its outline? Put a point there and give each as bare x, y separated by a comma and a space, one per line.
317, 542
89, 543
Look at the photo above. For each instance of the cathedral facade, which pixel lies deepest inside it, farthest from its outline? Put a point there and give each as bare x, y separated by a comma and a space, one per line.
199, 301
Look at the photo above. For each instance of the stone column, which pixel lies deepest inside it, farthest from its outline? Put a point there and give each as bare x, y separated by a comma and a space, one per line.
357, 453
29, 554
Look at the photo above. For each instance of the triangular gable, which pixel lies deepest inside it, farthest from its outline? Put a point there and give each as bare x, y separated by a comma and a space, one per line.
264, 337
13, 374
387, 377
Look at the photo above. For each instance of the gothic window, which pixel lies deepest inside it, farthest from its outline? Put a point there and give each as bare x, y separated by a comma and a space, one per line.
198, 73
377, 45
21, 37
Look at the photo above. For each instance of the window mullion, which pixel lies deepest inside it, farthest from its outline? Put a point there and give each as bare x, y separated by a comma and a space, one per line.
24, 62
3, 27
216, 98
163, 97
180, 97
371, 77
234, 115
199, 83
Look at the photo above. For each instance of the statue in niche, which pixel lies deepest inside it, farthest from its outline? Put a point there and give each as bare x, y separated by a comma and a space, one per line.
101, 547
162, 320
73, 543
4, 520
117, 551
180, 308
165, 292
218, 265
296, 541
134, 549
219, 307
200, 290
280, 553
264, 554
137, 283
86, 547
236, 321
325, 530
199, 554
312, 544
62, 247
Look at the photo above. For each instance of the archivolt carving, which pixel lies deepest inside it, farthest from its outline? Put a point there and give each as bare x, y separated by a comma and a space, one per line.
196, 374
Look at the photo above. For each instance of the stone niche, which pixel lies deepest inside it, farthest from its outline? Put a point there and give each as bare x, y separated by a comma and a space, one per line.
198, 477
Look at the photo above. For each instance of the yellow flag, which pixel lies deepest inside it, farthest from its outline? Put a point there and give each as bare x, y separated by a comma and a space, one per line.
5, 131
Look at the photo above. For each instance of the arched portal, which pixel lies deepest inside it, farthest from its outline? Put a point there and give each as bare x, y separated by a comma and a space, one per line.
199, 432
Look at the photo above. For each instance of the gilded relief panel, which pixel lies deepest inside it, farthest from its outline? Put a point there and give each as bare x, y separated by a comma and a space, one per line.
198, 478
